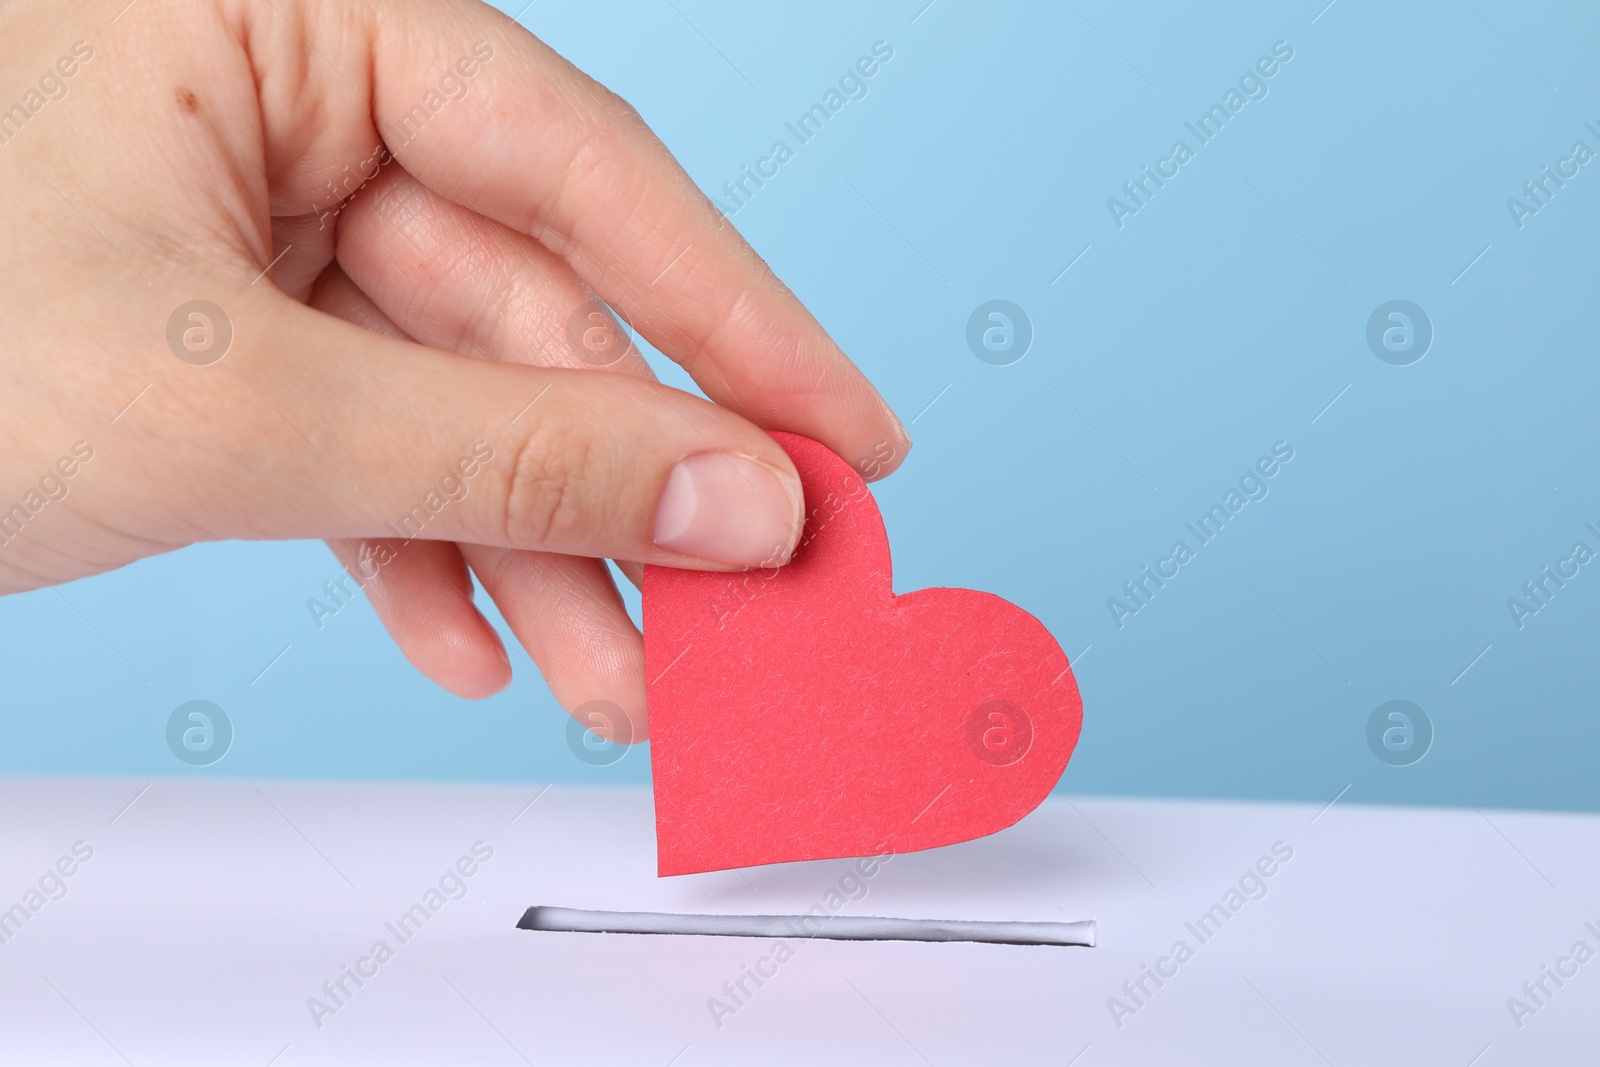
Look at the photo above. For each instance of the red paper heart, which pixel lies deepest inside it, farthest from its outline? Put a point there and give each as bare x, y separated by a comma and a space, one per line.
806, 712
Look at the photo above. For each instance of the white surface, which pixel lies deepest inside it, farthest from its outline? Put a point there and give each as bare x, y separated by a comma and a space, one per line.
211, 912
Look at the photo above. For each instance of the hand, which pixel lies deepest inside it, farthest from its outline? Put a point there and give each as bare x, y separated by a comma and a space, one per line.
399, 215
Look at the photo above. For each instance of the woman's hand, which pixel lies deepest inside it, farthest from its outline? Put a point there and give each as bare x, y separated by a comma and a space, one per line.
328, 268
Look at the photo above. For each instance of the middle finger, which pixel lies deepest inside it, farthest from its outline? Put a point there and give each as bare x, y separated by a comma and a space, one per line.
455, 280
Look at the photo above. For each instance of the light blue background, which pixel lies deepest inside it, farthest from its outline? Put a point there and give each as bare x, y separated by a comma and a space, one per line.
1221, 319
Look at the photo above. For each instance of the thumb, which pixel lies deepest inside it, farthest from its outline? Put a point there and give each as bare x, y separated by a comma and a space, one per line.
360, 435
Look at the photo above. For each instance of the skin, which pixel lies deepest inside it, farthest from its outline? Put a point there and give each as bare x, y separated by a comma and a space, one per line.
381, 328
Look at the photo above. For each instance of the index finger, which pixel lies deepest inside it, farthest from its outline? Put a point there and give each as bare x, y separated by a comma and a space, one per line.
539, 146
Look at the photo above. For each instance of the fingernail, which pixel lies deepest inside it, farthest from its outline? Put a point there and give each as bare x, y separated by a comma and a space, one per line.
729, 509
905, 436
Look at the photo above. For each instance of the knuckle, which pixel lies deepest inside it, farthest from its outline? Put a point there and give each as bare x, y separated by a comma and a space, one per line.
620, 111
543, 500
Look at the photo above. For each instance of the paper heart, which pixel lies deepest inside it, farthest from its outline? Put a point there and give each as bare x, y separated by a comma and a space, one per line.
806, 712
